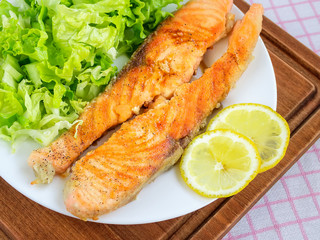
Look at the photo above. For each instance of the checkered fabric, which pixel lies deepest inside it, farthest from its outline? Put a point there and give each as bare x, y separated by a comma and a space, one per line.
291, 209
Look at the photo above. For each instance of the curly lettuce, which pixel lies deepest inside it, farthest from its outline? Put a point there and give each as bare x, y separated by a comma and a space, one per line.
57, 55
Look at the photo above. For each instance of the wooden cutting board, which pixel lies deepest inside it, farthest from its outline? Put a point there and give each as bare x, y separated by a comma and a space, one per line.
297, 71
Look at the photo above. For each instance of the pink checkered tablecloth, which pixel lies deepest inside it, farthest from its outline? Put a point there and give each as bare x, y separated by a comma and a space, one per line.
291, 209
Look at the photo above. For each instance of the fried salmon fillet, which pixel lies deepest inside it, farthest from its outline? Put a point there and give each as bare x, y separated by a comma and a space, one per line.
167, 59
112, 175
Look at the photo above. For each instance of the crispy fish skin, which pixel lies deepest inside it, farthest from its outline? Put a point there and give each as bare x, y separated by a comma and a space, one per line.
167, 59
144, 147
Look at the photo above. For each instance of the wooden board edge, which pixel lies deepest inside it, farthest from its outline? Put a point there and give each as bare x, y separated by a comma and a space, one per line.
310, 95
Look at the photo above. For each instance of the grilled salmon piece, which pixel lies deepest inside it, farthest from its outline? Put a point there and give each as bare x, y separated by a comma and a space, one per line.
167, 59
112, 175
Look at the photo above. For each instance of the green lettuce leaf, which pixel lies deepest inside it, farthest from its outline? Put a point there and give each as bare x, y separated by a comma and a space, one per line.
9, 105
57, 55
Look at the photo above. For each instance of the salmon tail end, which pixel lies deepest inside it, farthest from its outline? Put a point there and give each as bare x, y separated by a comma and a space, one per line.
243, 39
43, 169
245, 32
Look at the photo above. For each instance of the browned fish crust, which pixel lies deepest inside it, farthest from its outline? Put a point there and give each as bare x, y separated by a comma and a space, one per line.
167, 59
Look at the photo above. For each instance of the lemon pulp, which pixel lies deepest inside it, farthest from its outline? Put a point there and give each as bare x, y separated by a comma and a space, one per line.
219, 163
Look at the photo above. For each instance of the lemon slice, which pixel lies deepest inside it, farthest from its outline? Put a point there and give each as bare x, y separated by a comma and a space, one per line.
265, 127
219, 163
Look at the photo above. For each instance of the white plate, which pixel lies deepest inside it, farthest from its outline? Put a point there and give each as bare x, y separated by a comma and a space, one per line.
168, 196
